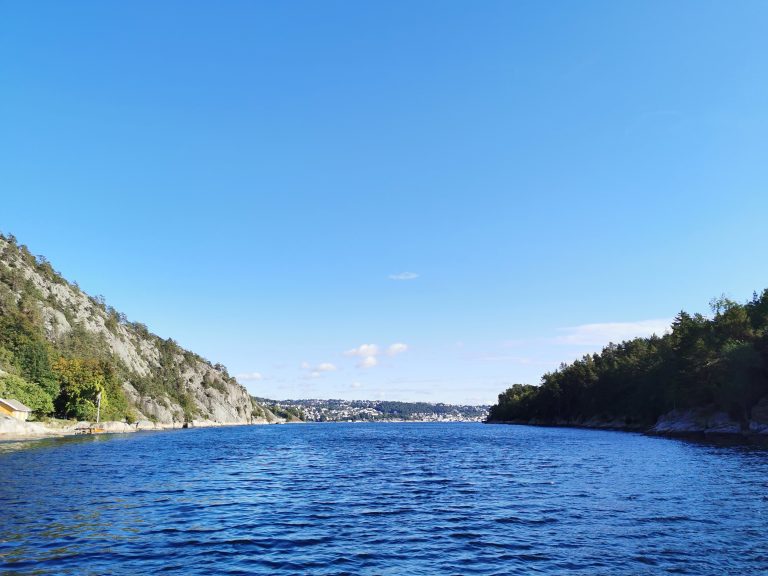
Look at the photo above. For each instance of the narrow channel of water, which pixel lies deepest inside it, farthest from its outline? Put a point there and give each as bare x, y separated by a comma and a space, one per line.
383, 499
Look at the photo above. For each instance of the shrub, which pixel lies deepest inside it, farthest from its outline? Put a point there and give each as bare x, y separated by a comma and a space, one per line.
34, 396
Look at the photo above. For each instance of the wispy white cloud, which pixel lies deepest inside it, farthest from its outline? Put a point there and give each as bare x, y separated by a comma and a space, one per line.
601, 334
364, 350
356, 385
370, 352
252, 376
397, 348
317, 371
404, 276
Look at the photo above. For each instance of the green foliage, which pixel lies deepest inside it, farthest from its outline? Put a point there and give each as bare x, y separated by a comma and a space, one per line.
257, 411
720, 361
188, 406
45, 269
80, 343
515, 403
81, 382
292, 412
141, 330
25, 351
113, 319
288, 412
168, 376
215, 383
28, 393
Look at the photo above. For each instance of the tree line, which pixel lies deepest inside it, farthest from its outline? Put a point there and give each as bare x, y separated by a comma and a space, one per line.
719, 362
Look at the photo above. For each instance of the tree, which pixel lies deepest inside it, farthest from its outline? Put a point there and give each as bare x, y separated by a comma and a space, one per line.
29, 393
81, 381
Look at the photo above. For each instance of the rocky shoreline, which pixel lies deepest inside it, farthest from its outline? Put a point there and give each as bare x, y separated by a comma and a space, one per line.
12, 429
702, 423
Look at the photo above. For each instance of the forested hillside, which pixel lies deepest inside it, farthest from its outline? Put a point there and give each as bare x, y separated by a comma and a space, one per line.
719, 363
60, 348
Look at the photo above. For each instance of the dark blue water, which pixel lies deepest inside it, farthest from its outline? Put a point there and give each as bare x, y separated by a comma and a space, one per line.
382, 499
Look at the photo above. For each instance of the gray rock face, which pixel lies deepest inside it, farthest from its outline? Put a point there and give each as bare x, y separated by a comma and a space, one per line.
680, 422
758, 423
144, 425
722, 423
63, 307
615, 423
115, 427
697, 421
10, 427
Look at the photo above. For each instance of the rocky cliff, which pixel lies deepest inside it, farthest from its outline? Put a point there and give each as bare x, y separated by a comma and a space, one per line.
161, 381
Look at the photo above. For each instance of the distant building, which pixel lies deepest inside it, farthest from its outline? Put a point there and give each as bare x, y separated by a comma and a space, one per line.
14, 408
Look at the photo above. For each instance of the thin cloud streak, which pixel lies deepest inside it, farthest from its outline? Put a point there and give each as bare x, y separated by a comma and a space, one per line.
600, 334
404, 276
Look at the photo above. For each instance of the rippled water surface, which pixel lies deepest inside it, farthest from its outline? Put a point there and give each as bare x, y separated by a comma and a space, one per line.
382, 499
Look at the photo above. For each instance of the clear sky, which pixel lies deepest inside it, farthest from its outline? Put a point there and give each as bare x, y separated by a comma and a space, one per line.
292, 188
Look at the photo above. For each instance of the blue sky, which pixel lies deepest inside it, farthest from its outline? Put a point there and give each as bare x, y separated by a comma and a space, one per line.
492, 187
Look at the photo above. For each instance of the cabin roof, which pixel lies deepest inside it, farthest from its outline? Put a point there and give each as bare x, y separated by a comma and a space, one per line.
15, 405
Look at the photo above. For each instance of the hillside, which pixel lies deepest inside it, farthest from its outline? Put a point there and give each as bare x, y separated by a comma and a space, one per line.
374, 411
705, 375
60, 347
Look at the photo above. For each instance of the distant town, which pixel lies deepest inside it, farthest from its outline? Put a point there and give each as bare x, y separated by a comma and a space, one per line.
373, 410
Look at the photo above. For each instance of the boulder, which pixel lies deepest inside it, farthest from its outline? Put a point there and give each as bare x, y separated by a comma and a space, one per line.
115, 427
10, 427
696, 421
722, 423
145, 425
758, 422
681, 422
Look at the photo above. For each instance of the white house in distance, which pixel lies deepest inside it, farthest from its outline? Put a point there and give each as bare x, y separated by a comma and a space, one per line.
14, 408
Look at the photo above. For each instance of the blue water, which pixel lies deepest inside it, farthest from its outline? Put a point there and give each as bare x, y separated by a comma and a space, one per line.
382, 499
